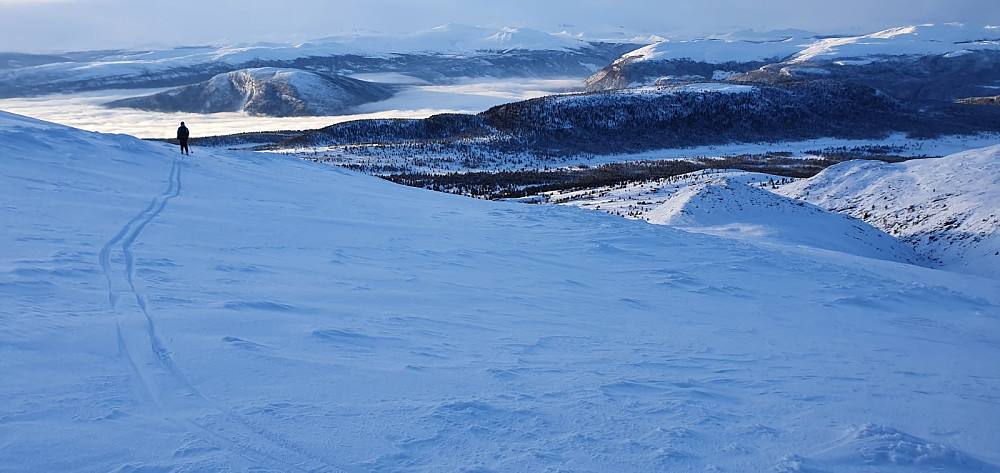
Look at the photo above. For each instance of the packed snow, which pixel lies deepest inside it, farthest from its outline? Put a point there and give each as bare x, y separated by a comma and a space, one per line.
237, 311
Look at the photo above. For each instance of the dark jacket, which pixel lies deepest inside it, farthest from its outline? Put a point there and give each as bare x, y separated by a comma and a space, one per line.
182, 133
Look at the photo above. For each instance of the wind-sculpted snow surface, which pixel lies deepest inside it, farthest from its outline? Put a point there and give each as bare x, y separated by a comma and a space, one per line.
947, 208
246, 312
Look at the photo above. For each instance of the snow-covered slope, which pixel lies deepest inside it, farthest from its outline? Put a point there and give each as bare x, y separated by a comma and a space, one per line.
947, 208
729, 206
233, 311
735, 204
264, 91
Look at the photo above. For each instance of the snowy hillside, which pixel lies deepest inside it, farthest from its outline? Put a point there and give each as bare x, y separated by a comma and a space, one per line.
237, 311
735, 204
264, 91
727, 206
947, 208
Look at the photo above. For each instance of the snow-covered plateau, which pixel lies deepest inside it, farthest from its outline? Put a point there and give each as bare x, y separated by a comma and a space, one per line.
251, 312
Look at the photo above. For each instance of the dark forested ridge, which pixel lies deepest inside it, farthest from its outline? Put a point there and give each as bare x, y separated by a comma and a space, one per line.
924, 78
627, 122
447, 126
524, 148
530, 182
631, 121
628, 72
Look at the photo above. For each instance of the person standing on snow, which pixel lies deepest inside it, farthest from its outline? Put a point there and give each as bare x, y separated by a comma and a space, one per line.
182, 137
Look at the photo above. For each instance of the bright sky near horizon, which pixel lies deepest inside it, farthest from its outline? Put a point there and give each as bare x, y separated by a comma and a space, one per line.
64, 25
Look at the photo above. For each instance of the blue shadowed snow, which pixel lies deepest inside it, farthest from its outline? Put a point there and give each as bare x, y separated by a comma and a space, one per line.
228, 310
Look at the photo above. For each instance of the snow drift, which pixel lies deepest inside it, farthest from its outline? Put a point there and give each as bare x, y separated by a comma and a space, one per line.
237, 311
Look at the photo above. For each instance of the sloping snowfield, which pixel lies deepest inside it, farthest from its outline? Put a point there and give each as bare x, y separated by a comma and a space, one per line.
735, 204
948, 209
245, 312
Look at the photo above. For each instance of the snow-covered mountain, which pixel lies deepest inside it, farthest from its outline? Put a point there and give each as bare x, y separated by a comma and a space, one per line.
232, 311
669, 61
946, 208
946, 40
936, 62
264, 91
438, 55
944, 62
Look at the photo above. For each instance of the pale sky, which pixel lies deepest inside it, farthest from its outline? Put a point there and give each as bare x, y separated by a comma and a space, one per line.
70, 25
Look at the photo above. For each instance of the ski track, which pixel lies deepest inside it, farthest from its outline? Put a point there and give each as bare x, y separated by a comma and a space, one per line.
162, 382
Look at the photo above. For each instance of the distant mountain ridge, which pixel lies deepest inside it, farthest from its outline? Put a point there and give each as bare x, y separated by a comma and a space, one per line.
642, 119
927, 62
669, 62
437, 55
264, 91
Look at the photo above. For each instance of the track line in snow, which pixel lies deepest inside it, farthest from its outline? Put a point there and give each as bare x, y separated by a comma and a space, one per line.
162, 382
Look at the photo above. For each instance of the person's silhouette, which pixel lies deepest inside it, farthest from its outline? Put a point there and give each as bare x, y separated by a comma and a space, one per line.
182, 137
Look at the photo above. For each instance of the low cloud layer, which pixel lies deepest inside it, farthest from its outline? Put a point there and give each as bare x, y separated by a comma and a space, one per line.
85, 111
